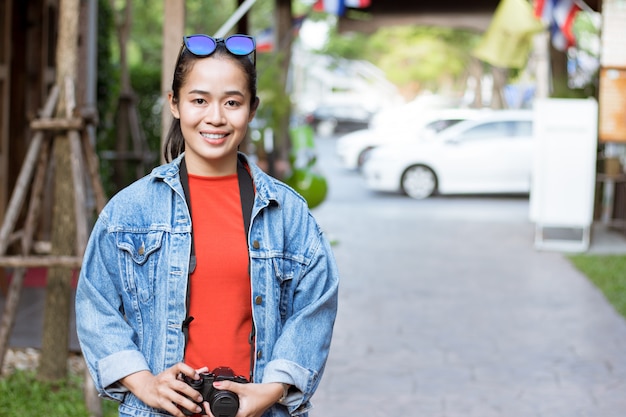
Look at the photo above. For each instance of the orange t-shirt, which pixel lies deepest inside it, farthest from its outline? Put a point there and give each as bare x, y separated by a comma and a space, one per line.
219, 296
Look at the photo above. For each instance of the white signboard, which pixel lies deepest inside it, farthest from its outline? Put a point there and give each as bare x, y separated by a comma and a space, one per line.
564, 172
613, 34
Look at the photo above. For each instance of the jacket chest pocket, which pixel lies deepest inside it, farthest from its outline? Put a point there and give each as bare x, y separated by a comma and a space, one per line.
284, 271
139, 256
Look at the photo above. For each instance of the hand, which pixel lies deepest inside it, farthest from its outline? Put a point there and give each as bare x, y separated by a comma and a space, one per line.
166, 390
254, 399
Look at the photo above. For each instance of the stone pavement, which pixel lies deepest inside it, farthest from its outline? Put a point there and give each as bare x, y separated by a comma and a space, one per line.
447, 310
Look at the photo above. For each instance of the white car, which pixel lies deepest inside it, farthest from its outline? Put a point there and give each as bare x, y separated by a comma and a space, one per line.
353, 147
491, 154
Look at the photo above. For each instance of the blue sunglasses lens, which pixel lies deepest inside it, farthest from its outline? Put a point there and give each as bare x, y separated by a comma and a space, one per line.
200, 44
239, 45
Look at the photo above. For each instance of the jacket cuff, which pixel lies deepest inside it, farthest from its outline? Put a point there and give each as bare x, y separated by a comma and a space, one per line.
117, 366
300, 379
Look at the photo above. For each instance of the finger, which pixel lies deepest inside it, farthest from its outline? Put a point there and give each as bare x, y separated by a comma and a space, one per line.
181, 401
207, 409
187, 370
226, 385
186, 390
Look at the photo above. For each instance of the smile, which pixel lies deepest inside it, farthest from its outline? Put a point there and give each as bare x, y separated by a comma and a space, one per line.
213, 135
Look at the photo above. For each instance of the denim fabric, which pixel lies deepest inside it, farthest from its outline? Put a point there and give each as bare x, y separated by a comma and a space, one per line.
131, 295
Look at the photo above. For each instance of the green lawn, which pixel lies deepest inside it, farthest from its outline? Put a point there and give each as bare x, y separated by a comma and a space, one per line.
608, 273
22, 395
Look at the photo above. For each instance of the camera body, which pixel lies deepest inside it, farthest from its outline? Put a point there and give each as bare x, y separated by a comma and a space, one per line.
223, 403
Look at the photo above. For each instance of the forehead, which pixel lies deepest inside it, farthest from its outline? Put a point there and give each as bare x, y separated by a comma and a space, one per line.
216, 71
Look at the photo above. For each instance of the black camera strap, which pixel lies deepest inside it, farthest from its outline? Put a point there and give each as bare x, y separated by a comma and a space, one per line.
246, 194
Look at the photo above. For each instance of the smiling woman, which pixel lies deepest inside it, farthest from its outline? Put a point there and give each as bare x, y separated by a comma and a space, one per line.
187, 270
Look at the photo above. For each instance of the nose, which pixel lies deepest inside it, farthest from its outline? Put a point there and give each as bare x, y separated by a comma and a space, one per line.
214, 115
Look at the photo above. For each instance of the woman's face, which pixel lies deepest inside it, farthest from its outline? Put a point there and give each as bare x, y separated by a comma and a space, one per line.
214, 112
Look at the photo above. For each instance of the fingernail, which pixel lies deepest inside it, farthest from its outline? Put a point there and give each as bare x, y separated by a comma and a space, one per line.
217, 384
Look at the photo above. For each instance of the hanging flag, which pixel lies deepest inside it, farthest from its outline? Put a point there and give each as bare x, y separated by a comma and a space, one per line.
508, 39
336, 7
558, 16
265, 40
358, 4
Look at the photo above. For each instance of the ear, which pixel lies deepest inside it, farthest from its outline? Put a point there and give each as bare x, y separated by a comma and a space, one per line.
173, 105
253, 108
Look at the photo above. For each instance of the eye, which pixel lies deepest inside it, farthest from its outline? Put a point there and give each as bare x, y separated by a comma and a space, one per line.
199, 101
232, 103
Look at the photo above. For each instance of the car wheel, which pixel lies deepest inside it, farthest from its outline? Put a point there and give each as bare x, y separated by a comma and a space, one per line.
419, 182
363, 156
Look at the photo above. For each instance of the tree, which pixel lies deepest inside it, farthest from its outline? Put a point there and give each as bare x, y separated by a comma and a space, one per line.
55, 342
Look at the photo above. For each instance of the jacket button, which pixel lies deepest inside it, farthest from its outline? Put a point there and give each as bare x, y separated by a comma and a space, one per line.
258, 300
256, 244
259, 354
141, 251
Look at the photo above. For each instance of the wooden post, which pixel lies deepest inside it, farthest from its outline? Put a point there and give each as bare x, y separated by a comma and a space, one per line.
173, 31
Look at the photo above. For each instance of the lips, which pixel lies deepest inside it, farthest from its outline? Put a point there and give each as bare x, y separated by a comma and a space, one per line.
213, 136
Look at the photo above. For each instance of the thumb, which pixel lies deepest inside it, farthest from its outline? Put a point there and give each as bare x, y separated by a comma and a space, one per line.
226, 385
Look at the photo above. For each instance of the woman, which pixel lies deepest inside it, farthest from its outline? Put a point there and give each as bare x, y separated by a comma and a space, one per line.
252, 289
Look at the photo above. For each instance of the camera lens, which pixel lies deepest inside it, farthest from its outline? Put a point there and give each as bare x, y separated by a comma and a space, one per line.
224, 403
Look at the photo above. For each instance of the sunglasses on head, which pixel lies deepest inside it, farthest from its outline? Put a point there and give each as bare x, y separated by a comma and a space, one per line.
205, 45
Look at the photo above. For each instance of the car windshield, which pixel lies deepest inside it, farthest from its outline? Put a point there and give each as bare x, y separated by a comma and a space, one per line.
499, 129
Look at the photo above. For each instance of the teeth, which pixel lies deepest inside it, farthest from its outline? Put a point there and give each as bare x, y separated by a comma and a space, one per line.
212, 135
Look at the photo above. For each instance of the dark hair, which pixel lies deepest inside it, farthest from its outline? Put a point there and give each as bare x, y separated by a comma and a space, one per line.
175, 142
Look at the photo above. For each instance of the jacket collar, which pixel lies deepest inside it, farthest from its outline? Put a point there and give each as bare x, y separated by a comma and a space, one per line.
264, 184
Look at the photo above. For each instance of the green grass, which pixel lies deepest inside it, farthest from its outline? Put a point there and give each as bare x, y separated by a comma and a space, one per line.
22, 395
608, 273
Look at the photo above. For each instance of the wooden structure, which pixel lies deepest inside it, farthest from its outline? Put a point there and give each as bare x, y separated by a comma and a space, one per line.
35, 169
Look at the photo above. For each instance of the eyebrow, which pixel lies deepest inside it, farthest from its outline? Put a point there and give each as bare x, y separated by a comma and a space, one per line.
228, 93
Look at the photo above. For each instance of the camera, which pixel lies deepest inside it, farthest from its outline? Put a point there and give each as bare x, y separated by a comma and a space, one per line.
223, 403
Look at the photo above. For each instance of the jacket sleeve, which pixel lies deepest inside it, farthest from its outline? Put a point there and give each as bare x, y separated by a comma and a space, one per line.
107, 341
302, 347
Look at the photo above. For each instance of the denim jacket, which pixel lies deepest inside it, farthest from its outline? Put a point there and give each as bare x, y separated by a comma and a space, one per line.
131, 295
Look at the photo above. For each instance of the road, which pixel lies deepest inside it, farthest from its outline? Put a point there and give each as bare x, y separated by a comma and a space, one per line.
447, 310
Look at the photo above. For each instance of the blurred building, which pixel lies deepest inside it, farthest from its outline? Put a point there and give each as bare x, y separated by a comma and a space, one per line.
323, 80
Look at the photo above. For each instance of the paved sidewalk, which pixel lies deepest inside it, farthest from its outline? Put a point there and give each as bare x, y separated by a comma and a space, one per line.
449, 311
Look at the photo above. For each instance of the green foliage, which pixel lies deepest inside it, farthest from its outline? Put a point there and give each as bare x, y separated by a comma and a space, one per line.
349, 46
561, 88
108, 86
21, 394
275, 102
146, 82
422, 55
607, 273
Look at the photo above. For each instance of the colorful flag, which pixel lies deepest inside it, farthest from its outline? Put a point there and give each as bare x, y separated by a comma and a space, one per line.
508, 40
338, 7
358, 4
265, 39
559, 16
